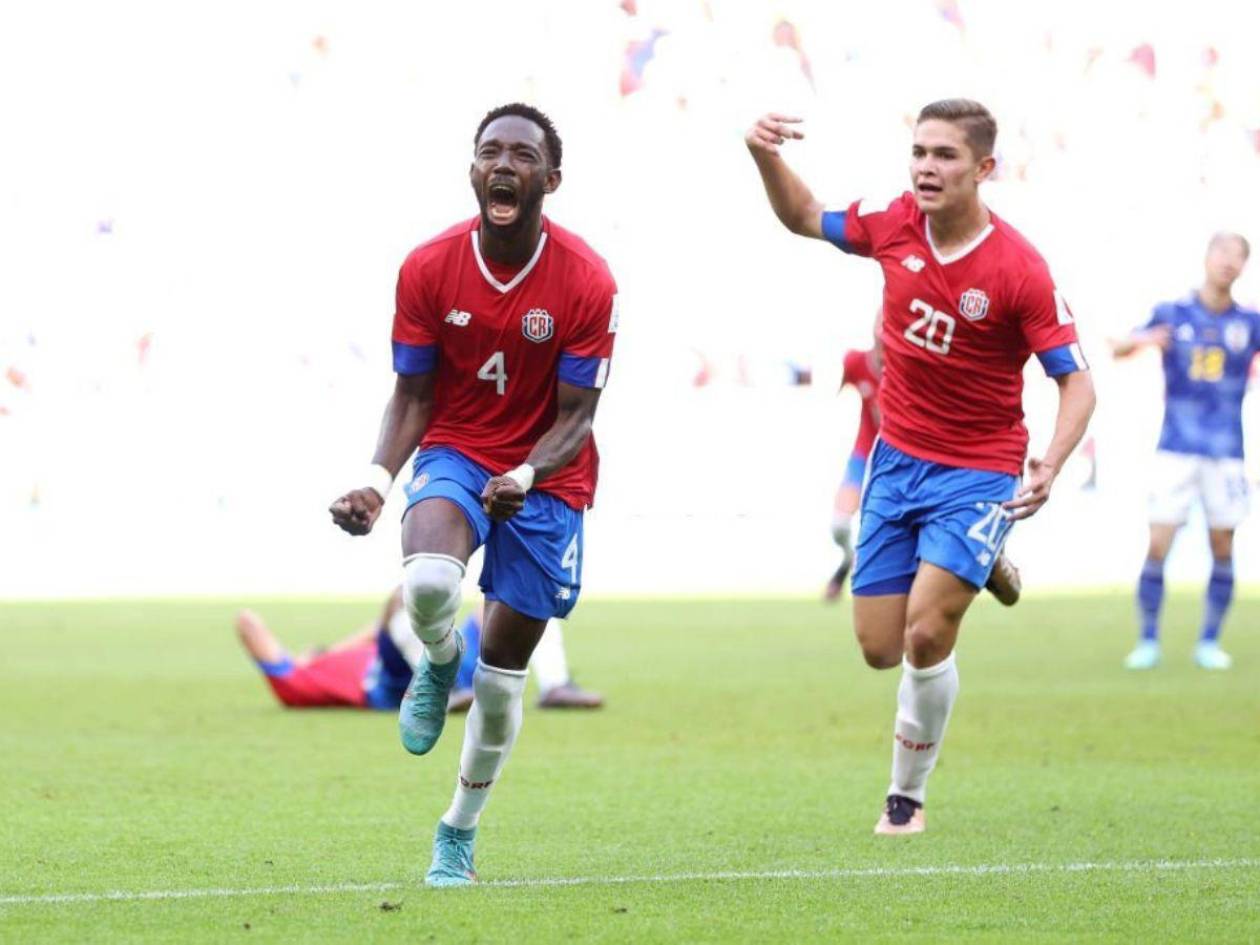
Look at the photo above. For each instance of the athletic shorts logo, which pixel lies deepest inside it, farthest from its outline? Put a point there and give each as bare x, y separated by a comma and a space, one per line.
420, 482
974, 304
538, 325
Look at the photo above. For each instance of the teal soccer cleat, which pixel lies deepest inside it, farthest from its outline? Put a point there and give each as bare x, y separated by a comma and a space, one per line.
1145, 656
423, 711
452, 857
1209, 655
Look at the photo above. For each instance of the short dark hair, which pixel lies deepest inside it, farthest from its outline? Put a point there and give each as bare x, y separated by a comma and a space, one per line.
1226, 235
977, 122
555, 150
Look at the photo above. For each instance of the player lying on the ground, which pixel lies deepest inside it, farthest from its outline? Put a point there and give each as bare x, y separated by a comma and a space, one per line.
371, 668
1208, 342
556, 687
503, 334
967, 300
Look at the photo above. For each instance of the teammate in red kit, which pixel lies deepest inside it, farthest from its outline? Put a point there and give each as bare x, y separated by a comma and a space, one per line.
503, 331
861, 372
967, 301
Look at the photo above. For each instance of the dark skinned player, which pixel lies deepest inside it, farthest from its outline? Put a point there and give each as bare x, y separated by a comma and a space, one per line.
503, 332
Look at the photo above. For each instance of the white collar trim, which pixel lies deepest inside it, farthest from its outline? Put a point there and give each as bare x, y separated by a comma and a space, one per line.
516, 279
946, 260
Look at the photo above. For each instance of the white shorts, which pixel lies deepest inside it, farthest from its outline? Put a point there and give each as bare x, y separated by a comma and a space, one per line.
1177, 478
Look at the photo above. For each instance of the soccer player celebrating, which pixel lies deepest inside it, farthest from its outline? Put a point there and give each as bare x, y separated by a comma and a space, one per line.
967, 300
503, 331
1208, 343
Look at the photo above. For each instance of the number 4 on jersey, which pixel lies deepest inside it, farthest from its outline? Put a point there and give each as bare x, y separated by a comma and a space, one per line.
495, 370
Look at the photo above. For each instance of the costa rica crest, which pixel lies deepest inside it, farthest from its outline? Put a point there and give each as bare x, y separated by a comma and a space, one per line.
538, 325
973, 304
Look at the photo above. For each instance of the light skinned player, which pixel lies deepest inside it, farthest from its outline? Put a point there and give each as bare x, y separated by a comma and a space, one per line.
967, 300
503, 334
1208, 342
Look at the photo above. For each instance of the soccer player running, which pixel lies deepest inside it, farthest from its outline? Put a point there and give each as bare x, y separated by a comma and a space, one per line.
967, 300
861, 372
1208, 342
503, 331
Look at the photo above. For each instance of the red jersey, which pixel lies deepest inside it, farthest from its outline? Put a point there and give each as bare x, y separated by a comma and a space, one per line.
500, 340
860, 374
956, 332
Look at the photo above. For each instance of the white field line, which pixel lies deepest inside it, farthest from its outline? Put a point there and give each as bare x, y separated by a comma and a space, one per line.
996, 869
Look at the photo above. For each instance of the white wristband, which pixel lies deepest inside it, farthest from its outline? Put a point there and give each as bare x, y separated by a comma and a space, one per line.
522, 475
378, 479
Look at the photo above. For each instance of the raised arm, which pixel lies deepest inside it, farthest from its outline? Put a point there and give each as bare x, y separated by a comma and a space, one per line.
504, 495
792, 201
1076, 405
1159, 336
406, 416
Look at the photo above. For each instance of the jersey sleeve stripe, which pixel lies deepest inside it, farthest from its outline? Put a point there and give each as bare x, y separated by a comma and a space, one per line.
583, 372
414, 359
833, 229
1062, 360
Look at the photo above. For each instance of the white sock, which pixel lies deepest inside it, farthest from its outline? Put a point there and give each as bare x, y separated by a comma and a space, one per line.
431, 596
491, 730
924, 700
549, 663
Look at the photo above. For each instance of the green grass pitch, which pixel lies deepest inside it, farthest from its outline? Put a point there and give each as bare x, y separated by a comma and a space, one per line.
142, 754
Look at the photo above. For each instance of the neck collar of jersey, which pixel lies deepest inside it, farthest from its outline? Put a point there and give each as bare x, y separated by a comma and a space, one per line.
517, 279
954, 257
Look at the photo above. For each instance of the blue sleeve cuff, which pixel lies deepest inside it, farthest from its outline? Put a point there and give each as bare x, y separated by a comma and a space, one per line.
583, 372
414, 359
1062, 360
833, 229
281, 667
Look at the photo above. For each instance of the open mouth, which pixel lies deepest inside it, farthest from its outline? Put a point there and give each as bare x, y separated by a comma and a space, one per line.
502, 202
928, 189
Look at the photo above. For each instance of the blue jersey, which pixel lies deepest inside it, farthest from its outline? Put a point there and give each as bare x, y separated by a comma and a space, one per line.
1205, 376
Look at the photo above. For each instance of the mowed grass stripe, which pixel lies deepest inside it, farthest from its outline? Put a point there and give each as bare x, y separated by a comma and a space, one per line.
991, 869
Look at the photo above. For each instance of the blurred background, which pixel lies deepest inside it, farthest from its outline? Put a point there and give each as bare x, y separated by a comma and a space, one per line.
203, 209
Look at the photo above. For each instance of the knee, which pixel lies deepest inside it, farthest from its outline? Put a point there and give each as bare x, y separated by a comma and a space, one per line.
881, 657
431, 588
925, 642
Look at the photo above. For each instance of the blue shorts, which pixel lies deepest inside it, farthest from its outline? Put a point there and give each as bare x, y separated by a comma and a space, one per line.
914, 510
533, 560
855, 471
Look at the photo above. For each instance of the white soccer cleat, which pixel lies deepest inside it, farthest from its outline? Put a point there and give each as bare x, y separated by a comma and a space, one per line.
901, 816
1145, 656
1211, 656
1004, 581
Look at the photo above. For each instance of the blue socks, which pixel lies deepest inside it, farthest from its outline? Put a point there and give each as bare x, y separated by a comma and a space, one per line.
1220, 592
1150, 597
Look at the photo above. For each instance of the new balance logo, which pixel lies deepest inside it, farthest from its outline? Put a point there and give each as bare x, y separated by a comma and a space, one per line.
456, 317
913, 263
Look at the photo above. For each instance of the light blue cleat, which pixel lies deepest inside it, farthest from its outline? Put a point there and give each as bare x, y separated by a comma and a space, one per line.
1209, 655
1145, 656
452, 857
422, 714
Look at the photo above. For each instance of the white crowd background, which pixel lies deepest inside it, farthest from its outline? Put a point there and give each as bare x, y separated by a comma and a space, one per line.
203, 208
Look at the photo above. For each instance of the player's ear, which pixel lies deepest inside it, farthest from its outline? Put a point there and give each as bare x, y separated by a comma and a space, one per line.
552, 183
985, 168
